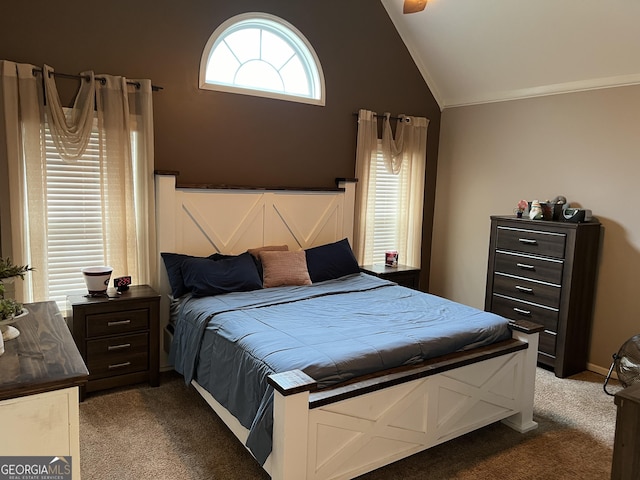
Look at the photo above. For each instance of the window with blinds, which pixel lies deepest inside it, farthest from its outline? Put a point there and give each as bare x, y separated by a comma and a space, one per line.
74, 215
390, 209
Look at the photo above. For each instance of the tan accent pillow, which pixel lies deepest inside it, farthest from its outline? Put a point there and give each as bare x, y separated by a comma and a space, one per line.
282, 268
276, 248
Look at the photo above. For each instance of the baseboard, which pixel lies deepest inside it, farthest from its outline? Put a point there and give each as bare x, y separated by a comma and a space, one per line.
602, 371
166, 368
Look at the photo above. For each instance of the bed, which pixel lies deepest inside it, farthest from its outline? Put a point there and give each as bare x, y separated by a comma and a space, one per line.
315, 413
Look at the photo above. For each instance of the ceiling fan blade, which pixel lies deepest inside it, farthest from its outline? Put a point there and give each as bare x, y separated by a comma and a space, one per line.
413, 6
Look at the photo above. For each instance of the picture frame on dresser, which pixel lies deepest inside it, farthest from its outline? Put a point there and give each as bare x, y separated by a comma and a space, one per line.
545, 271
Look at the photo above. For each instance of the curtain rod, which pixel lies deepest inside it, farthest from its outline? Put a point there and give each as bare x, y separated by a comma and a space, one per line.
85, 77
382, 116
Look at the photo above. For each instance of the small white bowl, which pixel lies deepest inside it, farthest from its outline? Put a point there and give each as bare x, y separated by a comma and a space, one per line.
97, 279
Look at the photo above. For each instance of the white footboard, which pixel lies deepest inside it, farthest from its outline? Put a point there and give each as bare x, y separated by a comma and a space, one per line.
344, 432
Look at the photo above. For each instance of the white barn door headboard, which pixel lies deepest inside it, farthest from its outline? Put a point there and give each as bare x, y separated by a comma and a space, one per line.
203, 221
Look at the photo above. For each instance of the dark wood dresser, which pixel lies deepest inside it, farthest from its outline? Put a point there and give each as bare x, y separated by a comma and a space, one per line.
402, 274
41, 371
545, 272
626, 461
118, 336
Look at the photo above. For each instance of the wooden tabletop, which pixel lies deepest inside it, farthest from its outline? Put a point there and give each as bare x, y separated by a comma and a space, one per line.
135, 292
381, 268
43, 357
630, 394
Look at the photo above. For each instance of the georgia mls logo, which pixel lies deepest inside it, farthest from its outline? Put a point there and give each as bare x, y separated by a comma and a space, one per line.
35, 468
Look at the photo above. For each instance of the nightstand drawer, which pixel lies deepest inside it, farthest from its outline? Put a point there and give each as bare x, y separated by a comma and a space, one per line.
529, 291
403, 275
531, 241
117, 347
409, 280
106, 367
542, 269
119, 355
114, 323
515, 310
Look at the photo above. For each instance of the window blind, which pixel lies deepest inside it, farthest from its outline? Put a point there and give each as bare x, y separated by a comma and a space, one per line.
74, 218
390, 207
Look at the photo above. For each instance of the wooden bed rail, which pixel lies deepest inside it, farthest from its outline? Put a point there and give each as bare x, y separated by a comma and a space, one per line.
296, 381
411, 372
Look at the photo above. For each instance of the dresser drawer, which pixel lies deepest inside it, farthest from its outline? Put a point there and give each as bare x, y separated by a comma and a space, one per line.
516, 310
548, 244
529, 291
115, 323
547, 343
535, 268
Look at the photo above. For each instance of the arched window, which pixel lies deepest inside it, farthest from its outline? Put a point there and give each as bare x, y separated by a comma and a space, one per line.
263, 55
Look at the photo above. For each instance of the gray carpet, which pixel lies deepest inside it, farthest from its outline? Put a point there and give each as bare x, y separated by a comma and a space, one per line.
170, 433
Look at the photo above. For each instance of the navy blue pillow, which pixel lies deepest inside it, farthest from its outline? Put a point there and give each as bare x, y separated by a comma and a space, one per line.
204, 277
173, 261
330, 261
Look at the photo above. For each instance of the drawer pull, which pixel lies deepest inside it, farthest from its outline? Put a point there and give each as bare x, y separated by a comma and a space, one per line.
118, 347
520, 288
119, 322
525, 266
119, 365
521, 311
528, 241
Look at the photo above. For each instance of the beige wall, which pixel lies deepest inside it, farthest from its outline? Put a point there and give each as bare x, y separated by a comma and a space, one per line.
585, 146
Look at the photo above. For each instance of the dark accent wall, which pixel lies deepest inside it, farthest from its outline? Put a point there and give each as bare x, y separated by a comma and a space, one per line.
224, 138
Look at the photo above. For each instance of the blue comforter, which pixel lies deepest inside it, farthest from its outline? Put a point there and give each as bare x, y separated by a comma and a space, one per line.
333, 331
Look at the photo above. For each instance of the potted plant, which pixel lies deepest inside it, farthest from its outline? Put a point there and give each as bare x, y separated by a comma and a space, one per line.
9, 307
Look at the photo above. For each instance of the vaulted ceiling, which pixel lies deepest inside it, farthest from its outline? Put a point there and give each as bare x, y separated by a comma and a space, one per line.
479, 51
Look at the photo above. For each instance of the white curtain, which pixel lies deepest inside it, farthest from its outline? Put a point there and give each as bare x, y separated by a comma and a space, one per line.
408, 148
70, 133
126, 132
366, 151
124, 116
24, 191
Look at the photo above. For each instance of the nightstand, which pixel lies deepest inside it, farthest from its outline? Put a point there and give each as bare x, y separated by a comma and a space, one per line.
118, 336
402, 274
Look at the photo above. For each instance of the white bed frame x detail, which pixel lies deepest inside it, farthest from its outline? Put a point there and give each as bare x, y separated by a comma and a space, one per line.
343, 432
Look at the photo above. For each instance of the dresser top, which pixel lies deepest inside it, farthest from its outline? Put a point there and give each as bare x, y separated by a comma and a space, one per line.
43, 357
549, 223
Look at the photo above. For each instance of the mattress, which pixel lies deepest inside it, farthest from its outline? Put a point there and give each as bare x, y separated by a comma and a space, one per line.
333, 331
